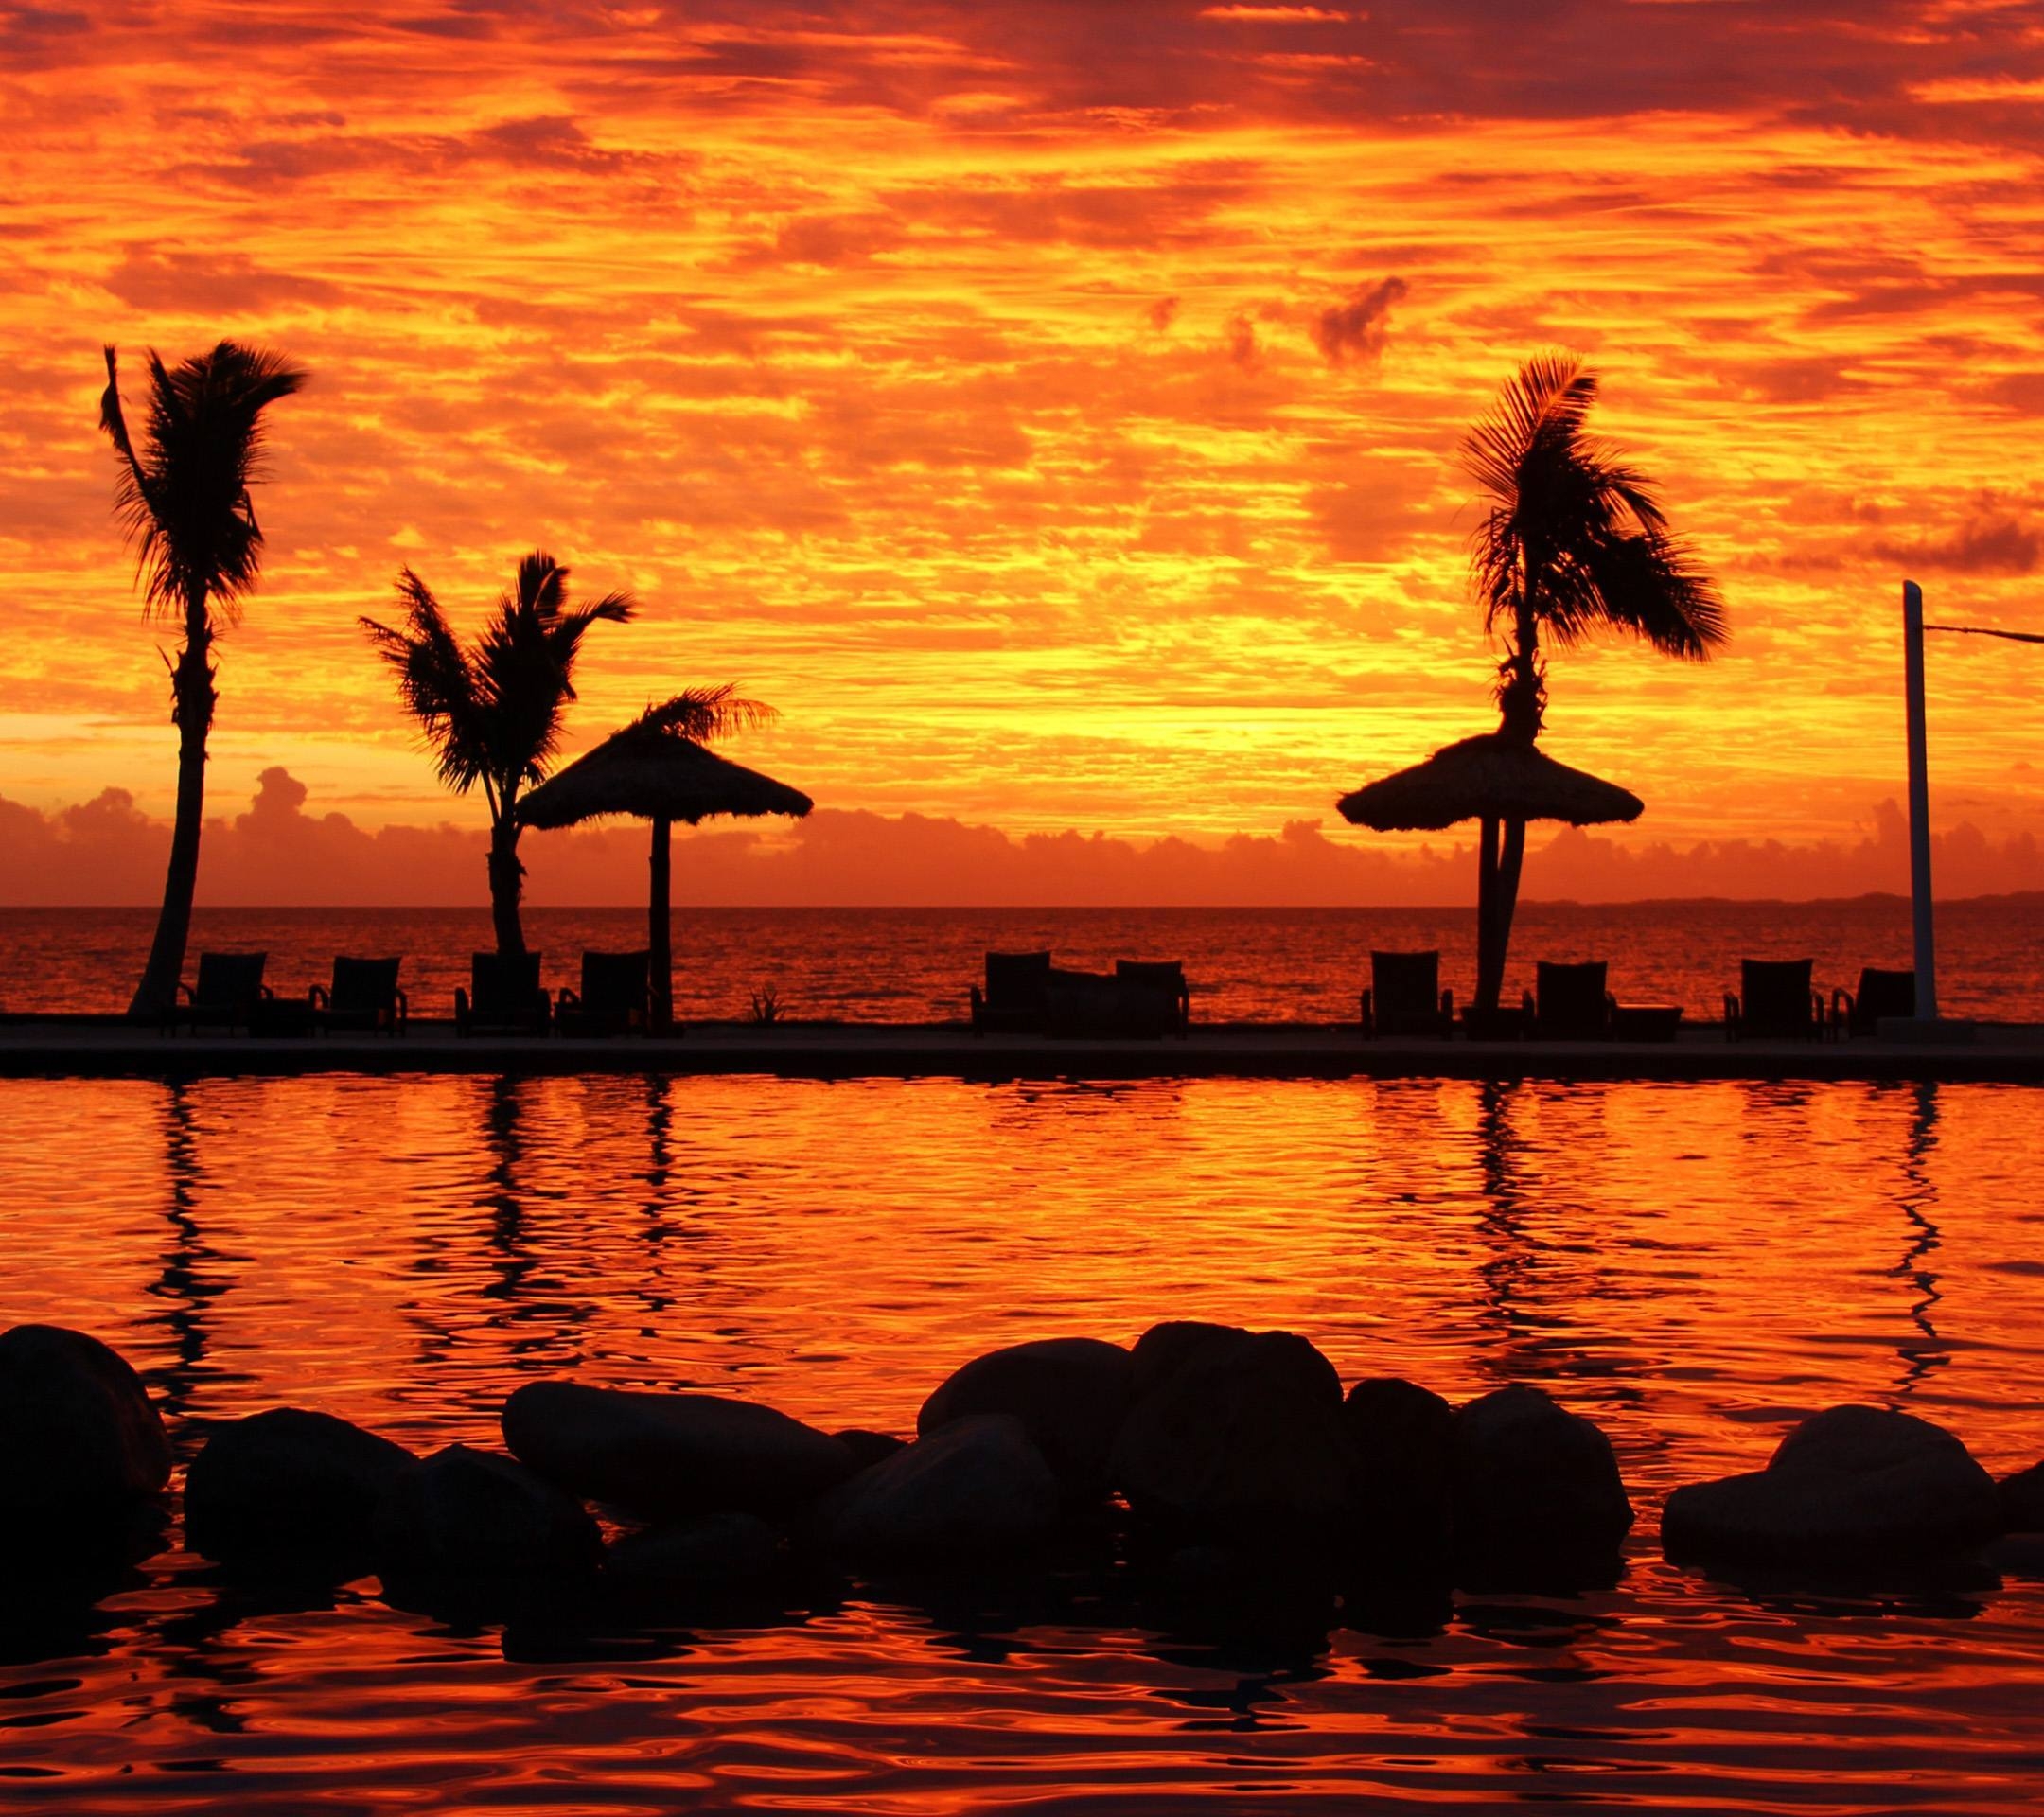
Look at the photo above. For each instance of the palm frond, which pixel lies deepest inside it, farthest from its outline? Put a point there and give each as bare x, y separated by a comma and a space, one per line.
1541, 409
436, 684
539, 586
702, 715
525, 664
1652, 586
1575, 539
184, 489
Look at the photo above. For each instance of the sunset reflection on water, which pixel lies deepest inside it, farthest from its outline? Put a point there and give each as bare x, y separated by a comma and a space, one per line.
1693, 1265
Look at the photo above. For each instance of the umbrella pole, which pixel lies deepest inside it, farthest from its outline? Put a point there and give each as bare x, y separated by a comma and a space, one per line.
1505, 892
1489, 973
660, 937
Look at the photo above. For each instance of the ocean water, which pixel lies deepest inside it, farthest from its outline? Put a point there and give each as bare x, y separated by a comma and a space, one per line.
1695, 1266
915, 965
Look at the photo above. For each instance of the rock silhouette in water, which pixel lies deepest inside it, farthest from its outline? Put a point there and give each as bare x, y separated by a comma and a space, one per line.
1235, 1434
667, 1455
1167, 1349
463, 1514
1537, 1497
1403, 1437
292, 1485
868, 1448
2023, 1500
706, 1554
80, 1439
1849, 1486
978, 1485
1072, 1395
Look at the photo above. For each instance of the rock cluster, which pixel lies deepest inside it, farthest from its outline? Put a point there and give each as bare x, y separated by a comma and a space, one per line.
1219, 1450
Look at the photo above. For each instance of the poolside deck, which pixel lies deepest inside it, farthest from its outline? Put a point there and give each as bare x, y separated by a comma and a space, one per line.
78, 1046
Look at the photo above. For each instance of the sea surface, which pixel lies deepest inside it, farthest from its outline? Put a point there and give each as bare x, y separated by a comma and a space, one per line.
916, 964
1696, 1266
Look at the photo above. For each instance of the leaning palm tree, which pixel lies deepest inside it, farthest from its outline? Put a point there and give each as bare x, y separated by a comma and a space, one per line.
1574, 540
183, 497
492, 710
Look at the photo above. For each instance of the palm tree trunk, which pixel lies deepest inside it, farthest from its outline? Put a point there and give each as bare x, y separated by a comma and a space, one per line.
1522, 697
659, 928
191, 688
506, 882
1489, 961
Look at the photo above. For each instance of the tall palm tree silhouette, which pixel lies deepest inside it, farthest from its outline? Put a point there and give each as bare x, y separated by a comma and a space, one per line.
183, 496
1573, 542
492, 710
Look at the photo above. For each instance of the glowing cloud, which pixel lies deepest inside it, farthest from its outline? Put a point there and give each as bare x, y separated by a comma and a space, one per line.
1051, 409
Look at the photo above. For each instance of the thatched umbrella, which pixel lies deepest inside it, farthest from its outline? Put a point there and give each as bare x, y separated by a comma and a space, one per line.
653, 770
1492, 778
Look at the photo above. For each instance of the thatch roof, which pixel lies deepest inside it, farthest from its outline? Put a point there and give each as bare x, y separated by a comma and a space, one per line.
1486, 777
651, 774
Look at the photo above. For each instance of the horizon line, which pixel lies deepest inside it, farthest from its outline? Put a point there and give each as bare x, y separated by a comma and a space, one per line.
1024, 907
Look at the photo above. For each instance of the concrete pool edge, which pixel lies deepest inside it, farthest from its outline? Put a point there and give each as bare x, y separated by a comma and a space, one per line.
82, 1047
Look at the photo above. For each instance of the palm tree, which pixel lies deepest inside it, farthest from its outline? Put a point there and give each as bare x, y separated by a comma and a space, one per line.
1574, 540
492, 710
183, 495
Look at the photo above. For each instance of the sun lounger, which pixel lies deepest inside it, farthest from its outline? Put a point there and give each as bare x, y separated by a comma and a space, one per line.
364, 995
1081, 1005
1881, 994
1025, 993
1155, 998
1140, 1000
227, 994
616, 997
1405, 996
1646, 1021
505, 996
1569, 1002
1774, 1001
1017, 996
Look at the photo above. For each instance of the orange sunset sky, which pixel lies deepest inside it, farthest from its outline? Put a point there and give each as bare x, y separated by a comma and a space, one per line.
1050, 407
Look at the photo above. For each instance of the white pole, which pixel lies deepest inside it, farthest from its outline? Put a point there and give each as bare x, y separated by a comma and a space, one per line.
1919, 802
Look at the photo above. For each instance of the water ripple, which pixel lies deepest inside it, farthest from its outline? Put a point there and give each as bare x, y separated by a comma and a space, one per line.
1697, 1267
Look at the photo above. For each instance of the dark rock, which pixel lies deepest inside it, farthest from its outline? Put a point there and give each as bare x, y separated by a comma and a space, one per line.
462, 1513
80, 1439
290, 1485
711, 1553
1242, 1436
1167, 1349
1850, 1486
1072, 1395
1537, 1493
667, 1455
2023, 1500
1261, 1600
2016, 1555
978, 1485
868, 1448
1403, 1437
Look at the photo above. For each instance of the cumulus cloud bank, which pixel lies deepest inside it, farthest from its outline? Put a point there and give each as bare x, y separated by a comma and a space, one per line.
105, 851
